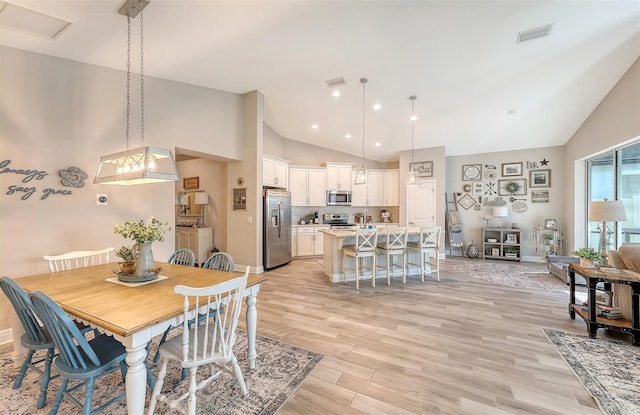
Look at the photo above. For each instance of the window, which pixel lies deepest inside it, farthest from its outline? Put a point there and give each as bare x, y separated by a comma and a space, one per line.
616, 176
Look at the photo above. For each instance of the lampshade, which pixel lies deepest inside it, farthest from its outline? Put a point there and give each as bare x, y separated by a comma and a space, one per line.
202, 198
607, 211
501, 212
184, 200
144, 164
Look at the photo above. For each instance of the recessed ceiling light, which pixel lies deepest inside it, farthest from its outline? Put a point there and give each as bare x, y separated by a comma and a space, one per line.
512, 111
377, 106
378, 144
314, 126
347, 137
413, 117
335, 93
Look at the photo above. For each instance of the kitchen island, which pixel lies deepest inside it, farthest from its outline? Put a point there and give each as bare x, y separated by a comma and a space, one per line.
334, 239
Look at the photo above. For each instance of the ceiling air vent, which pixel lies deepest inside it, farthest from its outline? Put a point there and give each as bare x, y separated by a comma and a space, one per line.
534, 33
31, 21
332, 83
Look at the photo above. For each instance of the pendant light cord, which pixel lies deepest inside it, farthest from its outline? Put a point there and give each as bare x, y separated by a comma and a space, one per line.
364, 82
128, 76
142, 77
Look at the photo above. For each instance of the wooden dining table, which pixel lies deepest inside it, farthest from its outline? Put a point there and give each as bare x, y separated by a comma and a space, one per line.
136, 313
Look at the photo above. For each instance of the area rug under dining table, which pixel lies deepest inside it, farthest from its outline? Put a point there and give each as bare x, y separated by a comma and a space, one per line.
608, 369
280, 370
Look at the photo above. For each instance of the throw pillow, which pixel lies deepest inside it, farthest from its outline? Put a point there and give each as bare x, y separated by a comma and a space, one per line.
630, 255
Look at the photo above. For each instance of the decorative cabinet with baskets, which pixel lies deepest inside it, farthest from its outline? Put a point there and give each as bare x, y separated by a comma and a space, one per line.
501, 243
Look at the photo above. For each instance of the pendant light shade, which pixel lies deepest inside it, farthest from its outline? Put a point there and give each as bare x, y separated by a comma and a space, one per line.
144, 164
412, 177
361, 173
137, 166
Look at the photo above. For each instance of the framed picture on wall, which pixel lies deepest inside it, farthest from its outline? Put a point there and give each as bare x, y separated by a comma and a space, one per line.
511, 169
540, 178
191, 183
240, 199
423, 168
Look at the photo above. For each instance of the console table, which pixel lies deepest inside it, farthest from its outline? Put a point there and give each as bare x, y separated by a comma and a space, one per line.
593, 277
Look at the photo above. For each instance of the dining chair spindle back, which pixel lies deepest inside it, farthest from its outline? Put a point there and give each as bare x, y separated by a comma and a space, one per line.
78, 359
34, 338
220, 261
77, 259
183, 256
210, 343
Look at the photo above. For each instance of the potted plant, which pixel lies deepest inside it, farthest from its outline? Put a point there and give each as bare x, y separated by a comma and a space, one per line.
511, 251
588, 256
144, 233
128, 263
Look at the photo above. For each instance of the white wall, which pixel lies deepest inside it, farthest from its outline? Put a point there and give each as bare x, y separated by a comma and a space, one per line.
616, 120
55, 114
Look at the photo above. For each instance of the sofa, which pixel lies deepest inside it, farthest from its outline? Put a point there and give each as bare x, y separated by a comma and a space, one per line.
558, 266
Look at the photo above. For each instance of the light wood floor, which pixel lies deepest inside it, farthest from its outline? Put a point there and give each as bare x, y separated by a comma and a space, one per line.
457, 346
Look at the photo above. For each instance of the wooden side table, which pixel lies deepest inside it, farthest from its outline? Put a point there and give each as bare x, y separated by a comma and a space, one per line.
593, 277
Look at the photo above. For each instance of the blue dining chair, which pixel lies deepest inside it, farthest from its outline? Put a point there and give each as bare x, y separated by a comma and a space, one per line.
77, 358
33, 339
220, 261
183, 256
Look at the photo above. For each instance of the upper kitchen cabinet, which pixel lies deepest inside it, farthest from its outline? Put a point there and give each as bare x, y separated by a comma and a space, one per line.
274, 172
307, 186
338, 176
370, 194
391, 188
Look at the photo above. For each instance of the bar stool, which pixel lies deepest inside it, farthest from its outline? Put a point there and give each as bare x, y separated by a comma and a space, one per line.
429, 241
395, 244
365, 247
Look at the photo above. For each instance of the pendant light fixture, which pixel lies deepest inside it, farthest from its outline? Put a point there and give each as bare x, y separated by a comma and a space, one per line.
144, 164
412, 178
361, 173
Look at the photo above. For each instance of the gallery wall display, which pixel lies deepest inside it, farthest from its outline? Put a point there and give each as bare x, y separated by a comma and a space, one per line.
512, 187
471, 172
511, 169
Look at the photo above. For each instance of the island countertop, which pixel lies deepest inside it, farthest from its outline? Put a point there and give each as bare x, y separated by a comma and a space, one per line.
334, 240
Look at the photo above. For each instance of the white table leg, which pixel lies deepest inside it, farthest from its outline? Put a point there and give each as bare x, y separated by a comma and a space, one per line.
136, 381
252, 322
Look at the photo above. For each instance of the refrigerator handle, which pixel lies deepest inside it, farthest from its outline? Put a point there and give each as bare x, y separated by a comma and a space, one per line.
280, 220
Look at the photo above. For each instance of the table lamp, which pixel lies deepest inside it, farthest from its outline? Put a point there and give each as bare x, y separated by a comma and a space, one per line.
606, 211
202, 198
500, 212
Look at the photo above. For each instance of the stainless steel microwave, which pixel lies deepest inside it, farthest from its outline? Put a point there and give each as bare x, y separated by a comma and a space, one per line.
339, 198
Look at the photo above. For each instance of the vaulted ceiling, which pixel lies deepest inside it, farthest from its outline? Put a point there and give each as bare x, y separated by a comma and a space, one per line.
477, 88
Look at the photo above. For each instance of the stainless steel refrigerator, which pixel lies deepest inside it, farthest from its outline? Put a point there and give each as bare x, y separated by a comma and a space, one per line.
277, 228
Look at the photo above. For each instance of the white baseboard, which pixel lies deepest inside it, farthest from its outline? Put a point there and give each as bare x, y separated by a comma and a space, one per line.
6, 336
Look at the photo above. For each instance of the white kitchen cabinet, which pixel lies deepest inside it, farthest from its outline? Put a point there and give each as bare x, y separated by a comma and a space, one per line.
309, 240
199, 240
391, 188
370, 194
307, 186
274, 172
293, 242
338, 176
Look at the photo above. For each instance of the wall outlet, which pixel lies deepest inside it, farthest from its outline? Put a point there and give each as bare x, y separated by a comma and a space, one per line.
102, 199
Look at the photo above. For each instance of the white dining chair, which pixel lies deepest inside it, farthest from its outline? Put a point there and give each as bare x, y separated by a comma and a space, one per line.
78, 259
428, 243
207, 344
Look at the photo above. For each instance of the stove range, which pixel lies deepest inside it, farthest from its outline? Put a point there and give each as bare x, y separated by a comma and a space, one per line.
337, 220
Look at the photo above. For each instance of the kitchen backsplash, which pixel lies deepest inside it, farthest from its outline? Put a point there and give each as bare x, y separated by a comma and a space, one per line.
299, 212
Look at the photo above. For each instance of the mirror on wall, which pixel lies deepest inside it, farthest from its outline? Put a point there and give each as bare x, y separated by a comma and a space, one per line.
187, 205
